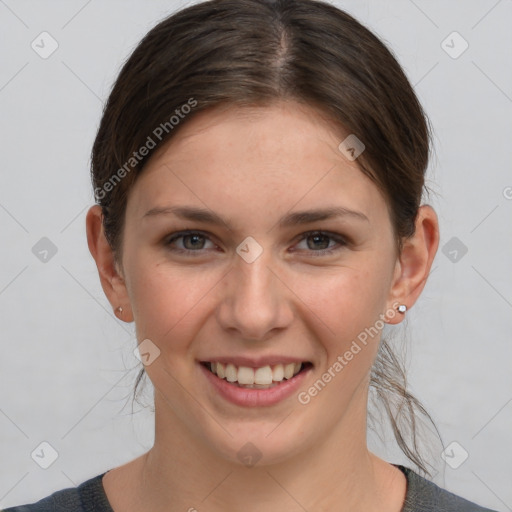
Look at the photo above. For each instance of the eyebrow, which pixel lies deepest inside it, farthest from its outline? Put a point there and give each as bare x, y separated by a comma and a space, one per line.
193, 213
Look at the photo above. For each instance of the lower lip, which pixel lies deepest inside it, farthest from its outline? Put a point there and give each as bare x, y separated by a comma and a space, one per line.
250, 397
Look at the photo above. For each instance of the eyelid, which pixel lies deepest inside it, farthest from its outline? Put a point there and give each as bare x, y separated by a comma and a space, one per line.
187, 232
337, 237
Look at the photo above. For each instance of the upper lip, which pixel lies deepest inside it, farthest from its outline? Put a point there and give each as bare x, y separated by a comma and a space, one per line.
254, 362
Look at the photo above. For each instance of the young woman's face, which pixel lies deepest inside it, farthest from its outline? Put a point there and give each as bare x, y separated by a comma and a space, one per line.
258, 288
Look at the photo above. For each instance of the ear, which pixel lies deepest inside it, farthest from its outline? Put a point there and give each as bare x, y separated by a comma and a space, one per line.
111, 278
414, 262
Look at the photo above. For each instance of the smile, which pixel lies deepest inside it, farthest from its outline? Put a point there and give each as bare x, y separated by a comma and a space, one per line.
248, 386
255, 378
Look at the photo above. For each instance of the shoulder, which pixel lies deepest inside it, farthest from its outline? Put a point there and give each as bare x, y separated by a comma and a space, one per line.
425, 496
87, 497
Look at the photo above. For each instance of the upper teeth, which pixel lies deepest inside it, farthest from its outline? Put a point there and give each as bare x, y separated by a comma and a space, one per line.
264, 375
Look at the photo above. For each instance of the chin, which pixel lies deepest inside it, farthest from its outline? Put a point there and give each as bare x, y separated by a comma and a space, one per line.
257, 445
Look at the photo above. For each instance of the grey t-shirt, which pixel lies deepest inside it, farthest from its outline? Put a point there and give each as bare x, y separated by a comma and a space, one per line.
421, 496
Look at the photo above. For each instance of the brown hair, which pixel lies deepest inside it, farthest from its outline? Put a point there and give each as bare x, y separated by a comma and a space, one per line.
254, 52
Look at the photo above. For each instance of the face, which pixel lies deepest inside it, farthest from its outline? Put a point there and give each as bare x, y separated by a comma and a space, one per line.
252, 283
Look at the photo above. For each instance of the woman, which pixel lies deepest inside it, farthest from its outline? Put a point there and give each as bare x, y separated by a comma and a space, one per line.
259, 171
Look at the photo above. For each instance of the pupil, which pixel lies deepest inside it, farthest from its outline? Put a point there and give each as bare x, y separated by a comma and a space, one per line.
194, 246
316, 237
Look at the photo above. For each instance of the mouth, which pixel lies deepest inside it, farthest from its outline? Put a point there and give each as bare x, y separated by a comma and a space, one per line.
264, 377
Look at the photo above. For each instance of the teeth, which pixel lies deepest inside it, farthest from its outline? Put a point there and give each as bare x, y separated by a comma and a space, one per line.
231, 373
278, 372
263, 377
245, 375
288, 370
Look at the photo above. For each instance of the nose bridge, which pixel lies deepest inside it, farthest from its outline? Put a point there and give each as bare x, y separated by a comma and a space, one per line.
252, 304
253, 276
254, 279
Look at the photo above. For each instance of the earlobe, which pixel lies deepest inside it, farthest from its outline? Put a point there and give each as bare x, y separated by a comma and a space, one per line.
414, 263
112, 282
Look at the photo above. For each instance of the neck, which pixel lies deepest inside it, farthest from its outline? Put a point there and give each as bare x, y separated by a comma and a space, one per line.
179, 473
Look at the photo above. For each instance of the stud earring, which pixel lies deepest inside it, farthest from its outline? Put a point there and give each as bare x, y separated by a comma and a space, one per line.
120, 309
402, 308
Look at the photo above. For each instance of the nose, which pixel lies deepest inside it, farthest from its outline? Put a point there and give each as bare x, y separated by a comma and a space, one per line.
256, 302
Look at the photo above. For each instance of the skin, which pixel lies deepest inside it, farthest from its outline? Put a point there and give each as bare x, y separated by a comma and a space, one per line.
251, 166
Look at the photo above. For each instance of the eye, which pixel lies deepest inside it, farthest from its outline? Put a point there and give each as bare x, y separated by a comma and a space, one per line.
320, 241
192, 242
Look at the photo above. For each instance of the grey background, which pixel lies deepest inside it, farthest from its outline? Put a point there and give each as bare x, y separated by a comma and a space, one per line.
67, 368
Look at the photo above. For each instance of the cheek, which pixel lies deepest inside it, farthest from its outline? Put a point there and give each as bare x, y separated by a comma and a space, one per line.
172, 302
348, 302
345, 300
167, 302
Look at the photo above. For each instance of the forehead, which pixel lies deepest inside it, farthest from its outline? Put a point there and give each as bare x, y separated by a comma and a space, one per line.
280, 154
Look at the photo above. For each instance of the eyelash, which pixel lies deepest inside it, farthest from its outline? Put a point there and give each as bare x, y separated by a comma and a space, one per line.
323, 252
